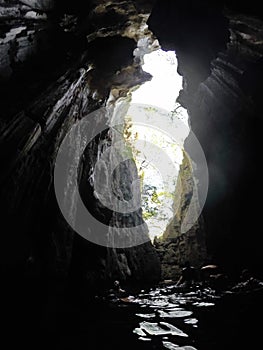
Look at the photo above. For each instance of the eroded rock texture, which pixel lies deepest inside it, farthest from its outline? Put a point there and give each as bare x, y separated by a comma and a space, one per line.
59, 62
219, 50
63, 60
177, 246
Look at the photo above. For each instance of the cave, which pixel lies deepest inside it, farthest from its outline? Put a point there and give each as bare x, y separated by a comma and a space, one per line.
82, 208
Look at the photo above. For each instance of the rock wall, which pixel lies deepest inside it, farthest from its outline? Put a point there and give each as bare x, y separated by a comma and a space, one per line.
219, 50
175, 247
55, 70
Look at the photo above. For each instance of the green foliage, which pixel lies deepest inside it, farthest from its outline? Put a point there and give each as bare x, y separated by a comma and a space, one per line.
150, 201
151, 109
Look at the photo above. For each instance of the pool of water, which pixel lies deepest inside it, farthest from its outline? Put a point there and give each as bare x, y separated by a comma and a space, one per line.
165, 318
159, 318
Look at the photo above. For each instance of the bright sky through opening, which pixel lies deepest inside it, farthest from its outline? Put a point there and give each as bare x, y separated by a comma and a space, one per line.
161, 92
166, 83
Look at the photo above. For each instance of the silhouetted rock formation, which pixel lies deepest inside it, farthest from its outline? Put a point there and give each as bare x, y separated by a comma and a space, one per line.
59, 62
220, 57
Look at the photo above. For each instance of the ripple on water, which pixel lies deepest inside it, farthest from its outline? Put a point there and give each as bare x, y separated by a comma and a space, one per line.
175, 314
173, 306
172, 346
192, 321
187, 347
140, 332
144, 339
146, 315
156, 329
156, 303
203, 304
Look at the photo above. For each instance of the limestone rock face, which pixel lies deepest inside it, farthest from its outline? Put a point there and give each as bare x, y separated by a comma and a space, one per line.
222, 88
175, 247
55, 70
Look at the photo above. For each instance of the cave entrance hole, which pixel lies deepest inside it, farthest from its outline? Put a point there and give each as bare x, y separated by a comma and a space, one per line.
158, 194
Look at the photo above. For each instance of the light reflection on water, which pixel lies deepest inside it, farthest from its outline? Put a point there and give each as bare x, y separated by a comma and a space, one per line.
199, 319
168, 319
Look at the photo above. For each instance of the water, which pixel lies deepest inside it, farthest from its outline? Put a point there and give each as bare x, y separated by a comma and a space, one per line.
165, 318
159, 318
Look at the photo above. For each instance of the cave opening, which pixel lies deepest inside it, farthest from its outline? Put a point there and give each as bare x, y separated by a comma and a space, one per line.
145, 114
158, 176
